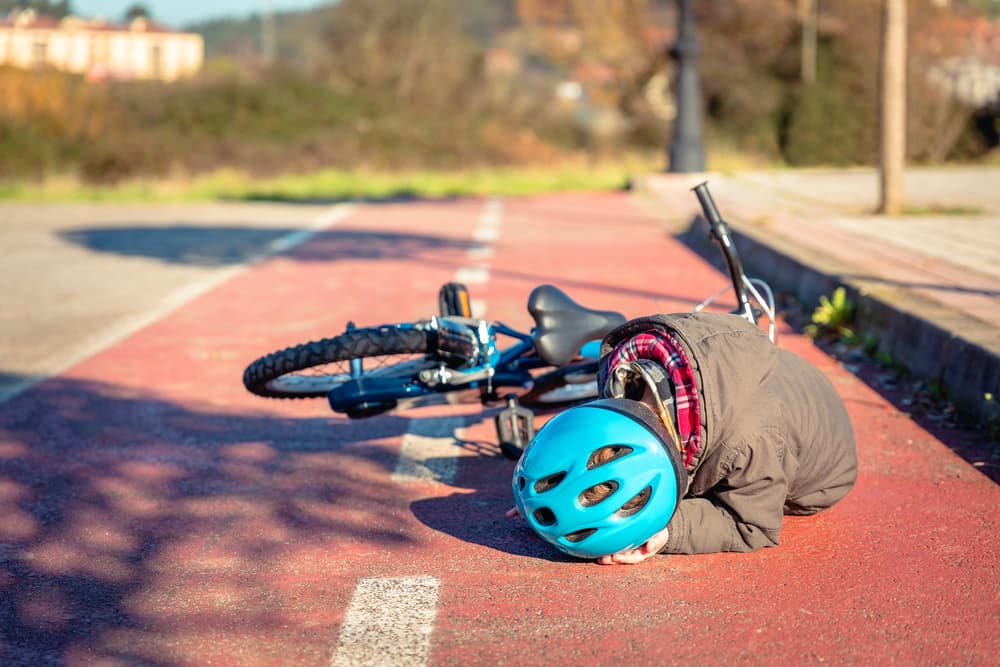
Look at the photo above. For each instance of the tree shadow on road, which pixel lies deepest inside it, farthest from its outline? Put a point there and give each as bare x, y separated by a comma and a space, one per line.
226, 246
113, 499
230, 245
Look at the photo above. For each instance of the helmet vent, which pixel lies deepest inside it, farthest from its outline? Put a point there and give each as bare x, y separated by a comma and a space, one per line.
544, 516
550, 482
597, 493
637, 503
606, 455
579, 535
521, 482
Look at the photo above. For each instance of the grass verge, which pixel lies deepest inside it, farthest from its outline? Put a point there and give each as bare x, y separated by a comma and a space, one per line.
333, 184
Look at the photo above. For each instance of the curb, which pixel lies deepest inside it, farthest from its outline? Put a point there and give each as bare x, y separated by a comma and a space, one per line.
935, 342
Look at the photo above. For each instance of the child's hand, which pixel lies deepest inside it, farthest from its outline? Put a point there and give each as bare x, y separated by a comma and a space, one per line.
625, 558
512, 512
651, 547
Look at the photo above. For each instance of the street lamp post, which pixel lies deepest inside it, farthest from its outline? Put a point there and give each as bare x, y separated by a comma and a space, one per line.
687, 152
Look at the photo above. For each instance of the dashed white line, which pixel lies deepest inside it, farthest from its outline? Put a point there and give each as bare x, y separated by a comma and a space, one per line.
479, 251
430, 451
478, 307
472, 275
486, 234
489, 221
487, 230
389, 622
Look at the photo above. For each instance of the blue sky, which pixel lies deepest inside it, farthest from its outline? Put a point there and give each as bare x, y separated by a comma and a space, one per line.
177, 13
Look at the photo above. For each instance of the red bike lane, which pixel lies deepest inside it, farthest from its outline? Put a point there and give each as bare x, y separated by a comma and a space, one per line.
156, 512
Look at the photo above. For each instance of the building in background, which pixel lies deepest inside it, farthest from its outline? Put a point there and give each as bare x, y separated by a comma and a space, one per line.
973, 77
99, 49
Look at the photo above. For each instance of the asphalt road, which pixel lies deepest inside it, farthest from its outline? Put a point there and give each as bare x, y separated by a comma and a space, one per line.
153, 512
77, 277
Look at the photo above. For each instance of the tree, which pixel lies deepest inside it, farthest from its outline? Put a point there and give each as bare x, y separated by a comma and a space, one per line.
807, 15
137, 11
57, 8
413, 49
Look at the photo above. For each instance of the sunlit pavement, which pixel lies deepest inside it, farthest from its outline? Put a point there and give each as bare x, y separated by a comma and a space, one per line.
154, 512
926, 283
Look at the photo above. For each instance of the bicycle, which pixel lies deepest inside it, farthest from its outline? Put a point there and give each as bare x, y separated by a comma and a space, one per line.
364, 372
448, 352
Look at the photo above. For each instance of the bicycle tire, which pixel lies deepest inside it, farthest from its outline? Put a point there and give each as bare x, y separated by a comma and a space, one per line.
298, 371
562, 387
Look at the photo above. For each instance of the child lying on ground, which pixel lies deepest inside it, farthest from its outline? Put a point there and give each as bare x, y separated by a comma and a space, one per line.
705, 436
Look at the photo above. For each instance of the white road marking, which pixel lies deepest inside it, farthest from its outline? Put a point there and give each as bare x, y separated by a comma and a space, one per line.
478, 307
479, 252
328, 218
389, 622
430, 448
472, 275
488, 229
117, 330
492, 210
483, 234
430, 451
489, 221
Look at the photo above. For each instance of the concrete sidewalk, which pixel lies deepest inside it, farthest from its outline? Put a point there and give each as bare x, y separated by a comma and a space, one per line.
927, 283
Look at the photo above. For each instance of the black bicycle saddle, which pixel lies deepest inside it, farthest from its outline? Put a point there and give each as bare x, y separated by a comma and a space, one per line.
562, 325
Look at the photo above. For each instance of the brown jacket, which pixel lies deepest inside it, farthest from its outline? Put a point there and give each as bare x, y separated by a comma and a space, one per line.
776, 438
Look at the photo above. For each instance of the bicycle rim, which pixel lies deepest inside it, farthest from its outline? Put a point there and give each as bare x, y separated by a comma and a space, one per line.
313, 369
321, 380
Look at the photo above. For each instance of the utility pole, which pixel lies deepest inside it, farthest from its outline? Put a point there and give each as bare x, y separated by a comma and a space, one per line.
687, 153
268, 39
893, 107
808, 10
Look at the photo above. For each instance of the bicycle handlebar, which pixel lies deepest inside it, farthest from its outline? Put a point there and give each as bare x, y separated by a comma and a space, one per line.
719, 232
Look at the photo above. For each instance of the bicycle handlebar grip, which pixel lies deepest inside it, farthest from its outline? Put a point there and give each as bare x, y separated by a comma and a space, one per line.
707, 204
720, 232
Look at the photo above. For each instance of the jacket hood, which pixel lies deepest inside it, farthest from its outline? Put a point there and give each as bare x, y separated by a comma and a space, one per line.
730, 357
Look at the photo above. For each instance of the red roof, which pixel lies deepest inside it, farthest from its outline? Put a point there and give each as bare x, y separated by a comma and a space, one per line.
32, 21
36, 21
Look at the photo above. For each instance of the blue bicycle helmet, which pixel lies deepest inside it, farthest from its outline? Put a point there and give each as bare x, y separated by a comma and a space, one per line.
613, 447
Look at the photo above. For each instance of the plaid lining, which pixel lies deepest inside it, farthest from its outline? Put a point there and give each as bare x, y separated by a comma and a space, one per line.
661, 347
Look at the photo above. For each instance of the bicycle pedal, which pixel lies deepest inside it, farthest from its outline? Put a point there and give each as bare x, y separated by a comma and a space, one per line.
515, 426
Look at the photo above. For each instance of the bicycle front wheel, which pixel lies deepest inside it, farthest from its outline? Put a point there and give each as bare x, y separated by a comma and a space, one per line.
313, 369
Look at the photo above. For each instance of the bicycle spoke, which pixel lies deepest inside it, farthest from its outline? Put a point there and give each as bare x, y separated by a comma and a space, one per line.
326, 377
